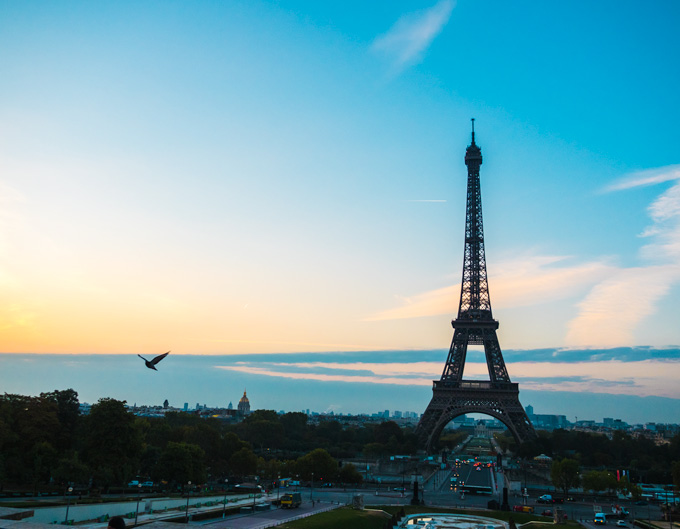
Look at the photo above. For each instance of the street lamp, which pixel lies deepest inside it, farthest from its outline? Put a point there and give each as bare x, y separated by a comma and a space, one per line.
68, 503
226, 489
188, 492
278, 486
139, 497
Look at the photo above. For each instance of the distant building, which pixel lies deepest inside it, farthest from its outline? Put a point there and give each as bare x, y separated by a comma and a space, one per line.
244, 405
231, 406
166, 404
186, 406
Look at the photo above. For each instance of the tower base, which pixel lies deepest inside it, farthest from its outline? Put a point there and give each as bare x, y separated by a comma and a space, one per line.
499, 400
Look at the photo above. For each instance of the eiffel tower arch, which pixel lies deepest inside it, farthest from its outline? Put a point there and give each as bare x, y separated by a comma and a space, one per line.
451, 394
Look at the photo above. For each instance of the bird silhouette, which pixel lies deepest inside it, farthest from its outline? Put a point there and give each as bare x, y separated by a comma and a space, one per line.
151, 364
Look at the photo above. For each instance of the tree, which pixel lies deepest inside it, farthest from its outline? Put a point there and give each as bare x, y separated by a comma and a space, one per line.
320, 462
386, 430
68, 415
112, 442
180, 463
70, 469
350, 474
675, 472
565, 474
626, 487
243, 463
599, 480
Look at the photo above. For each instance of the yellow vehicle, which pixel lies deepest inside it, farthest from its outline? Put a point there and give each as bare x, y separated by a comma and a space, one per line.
291, 500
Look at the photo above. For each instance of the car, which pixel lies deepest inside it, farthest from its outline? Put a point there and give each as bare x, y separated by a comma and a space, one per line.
399, 489
546, 498
547, 512
133, 483
148, 484
621, 523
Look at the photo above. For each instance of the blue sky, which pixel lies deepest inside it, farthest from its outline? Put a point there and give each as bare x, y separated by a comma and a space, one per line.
230, 178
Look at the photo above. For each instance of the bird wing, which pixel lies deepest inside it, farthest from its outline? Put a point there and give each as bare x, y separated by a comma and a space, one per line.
140, 356
159, 358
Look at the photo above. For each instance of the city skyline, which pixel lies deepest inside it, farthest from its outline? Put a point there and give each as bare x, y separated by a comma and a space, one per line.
258, 178
355, 382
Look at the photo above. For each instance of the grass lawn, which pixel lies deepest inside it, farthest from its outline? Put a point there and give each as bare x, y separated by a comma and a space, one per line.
373, 518
342, 518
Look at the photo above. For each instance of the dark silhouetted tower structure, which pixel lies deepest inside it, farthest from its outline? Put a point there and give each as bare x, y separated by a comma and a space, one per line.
451, 394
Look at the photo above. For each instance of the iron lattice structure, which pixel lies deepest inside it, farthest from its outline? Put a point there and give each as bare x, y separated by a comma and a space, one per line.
452, 395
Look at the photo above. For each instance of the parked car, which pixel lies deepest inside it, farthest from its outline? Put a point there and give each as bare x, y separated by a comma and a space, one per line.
148, 484
621, 523
547, 512
546, 498
133, 483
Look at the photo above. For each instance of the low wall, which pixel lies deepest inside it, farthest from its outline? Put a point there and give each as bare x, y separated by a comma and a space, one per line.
93, 511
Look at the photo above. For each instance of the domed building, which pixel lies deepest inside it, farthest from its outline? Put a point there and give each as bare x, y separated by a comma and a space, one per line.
244, 405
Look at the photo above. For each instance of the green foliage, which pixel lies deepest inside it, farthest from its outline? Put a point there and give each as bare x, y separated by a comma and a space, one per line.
180, 463
112, 442
45, 440
243, 462
70, 469
341, 519
319, 462
599, 480
565, 474
675, 472
349, 474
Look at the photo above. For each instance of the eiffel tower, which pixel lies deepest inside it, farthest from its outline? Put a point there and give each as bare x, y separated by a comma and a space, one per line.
451, 394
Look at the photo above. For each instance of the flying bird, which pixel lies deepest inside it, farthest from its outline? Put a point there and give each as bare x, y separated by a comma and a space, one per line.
151, 364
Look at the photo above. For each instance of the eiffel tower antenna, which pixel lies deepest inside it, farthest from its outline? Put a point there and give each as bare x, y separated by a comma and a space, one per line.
451, 394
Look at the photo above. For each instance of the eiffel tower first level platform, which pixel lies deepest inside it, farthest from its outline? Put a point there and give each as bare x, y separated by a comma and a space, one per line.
452, 395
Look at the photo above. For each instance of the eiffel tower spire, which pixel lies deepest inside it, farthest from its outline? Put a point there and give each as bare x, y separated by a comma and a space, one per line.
452, 395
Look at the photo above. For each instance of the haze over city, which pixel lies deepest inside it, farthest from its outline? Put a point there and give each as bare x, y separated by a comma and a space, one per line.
275, 192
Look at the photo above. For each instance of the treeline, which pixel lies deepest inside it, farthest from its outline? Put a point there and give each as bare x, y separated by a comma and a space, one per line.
46, 442
641, 457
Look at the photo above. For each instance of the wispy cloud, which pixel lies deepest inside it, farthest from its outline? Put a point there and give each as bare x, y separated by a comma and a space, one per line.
405, 43
646, 377
520, 282
609, 314
647, 177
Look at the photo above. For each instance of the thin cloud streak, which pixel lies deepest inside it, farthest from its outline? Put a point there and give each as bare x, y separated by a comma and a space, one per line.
647, 177
405, 43
609, 314
644, 378
521, 282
